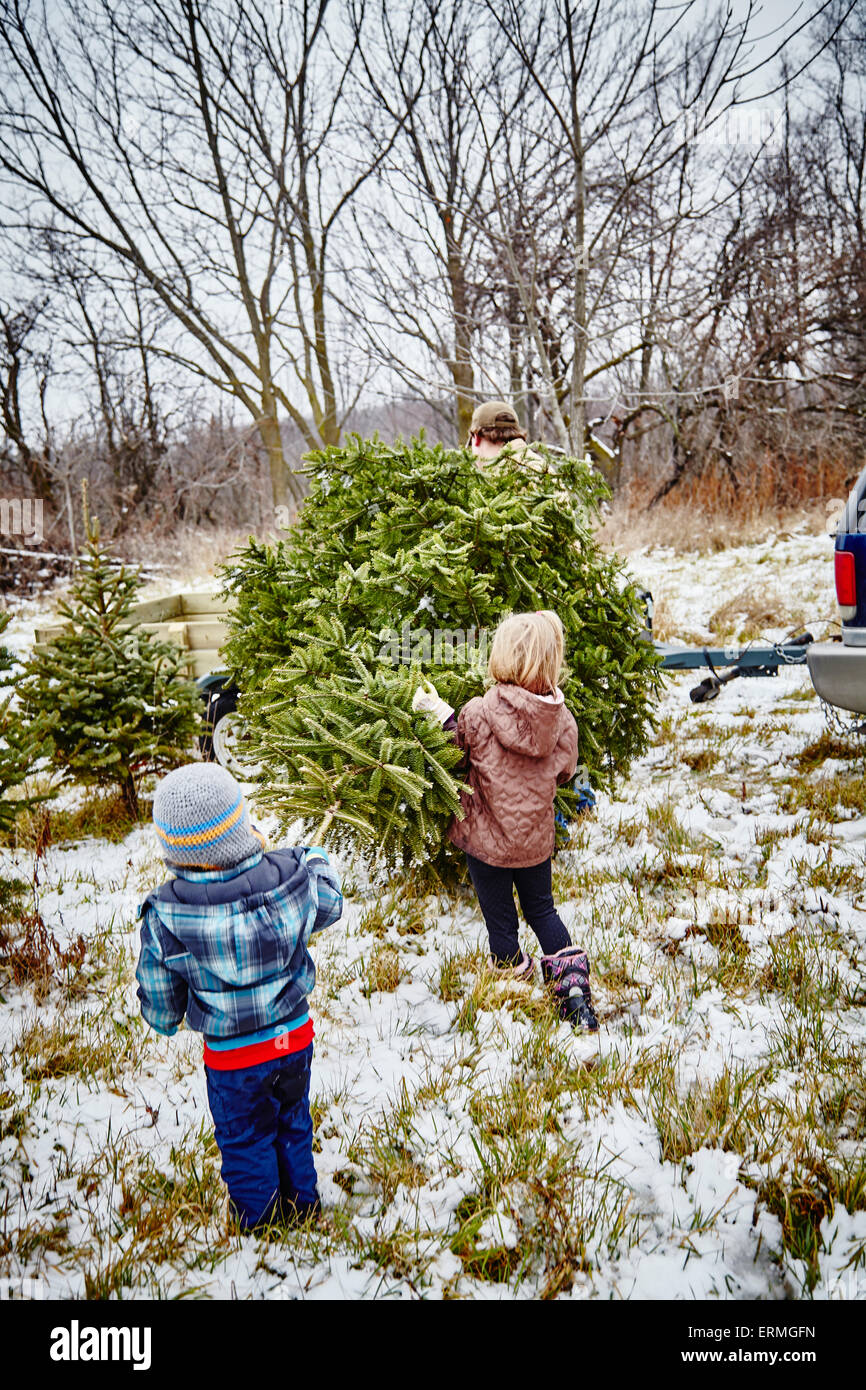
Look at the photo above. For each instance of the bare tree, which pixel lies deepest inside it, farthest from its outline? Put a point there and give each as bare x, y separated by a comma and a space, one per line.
765, 369
622, 87
26, 446
204, 151
422, 232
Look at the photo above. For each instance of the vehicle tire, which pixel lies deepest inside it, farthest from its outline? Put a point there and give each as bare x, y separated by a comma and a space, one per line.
222, 701
227, 734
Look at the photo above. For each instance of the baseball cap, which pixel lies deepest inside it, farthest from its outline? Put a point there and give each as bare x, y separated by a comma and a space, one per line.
492, 413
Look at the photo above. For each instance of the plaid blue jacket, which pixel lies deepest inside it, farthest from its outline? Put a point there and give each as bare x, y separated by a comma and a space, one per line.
228, 948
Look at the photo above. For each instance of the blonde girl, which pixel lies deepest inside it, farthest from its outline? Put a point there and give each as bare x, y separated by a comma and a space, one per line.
521, 744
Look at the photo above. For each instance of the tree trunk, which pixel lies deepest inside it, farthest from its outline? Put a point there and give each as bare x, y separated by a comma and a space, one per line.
129, 793
515, 343
577, 405
461, 365
284, 485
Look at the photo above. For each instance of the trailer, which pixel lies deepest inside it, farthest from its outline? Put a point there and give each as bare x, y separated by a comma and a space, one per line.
197, 622
731, 662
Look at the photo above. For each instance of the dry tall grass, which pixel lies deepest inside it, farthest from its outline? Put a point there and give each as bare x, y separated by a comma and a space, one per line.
705, 514
748, 613
187, 554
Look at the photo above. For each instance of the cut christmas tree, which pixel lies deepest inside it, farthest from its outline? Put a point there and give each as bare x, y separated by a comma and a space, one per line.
402, 562
115, 699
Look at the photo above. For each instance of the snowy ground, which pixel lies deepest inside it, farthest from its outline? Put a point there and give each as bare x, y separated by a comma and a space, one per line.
709, 1142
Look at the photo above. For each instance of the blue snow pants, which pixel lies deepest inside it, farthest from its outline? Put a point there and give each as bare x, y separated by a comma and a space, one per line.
264, 1132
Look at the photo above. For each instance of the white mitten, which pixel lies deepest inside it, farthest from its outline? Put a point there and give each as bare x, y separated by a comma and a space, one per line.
427, 700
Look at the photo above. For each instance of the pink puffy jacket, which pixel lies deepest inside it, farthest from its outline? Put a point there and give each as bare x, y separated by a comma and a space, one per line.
521, 748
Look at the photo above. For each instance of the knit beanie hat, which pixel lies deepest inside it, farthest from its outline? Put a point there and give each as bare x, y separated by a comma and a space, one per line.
202, 820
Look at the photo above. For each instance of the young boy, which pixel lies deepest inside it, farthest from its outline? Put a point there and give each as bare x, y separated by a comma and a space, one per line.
225, 943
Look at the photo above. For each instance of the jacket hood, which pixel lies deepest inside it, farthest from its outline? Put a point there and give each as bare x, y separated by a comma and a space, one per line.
247, 929
525, 723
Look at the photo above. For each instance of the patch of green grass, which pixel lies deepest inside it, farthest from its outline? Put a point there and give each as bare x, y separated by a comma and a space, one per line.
571, 880
835, 877
628, 832
808, 979
94, 1049
12, 894
396, 1253
667, 730
825, 795
497, 1263
618, 979
528, 1171
726, 1113
455, 966
667, 830
34, 1239
770, 729
580, 830
733, 971
711, 731
337, 979
490, 991
803, 1198
383, 971
667, 872
384, 1148
13, 1117
842, 1106
400, 913
767, 838
172, 1215
803, 1036
828, 745
99, 816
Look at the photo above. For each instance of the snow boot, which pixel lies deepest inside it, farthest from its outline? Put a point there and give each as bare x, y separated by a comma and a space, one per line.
523, 971
567, 974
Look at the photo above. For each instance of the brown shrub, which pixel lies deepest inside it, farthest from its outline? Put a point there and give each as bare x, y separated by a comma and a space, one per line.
37, 958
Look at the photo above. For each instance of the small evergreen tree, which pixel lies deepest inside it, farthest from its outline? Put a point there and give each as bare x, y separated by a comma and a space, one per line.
115, 698
328, 632
21, 743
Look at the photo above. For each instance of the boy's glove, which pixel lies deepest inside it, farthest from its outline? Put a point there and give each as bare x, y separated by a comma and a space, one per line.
428, 700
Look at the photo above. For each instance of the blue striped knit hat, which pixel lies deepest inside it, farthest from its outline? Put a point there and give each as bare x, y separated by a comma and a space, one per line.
201, 819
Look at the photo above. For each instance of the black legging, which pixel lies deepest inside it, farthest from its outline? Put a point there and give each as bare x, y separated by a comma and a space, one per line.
495, 889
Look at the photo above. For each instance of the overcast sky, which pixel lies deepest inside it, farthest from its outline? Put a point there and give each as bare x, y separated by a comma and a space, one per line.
773, 21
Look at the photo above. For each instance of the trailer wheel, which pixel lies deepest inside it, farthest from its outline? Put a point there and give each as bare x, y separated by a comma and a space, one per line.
227, 736
222, 702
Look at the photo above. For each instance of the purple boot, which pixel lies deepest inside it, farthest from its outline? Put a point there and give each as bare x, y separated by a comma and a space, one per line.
567, 973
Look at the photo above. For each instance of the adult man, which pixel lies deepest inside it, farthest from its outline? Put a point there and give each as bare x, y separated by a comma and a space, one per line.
494, 427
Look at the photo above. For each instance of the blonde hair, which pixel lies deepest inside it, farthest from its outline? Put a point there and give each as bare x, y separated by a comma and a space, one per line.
528, 650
